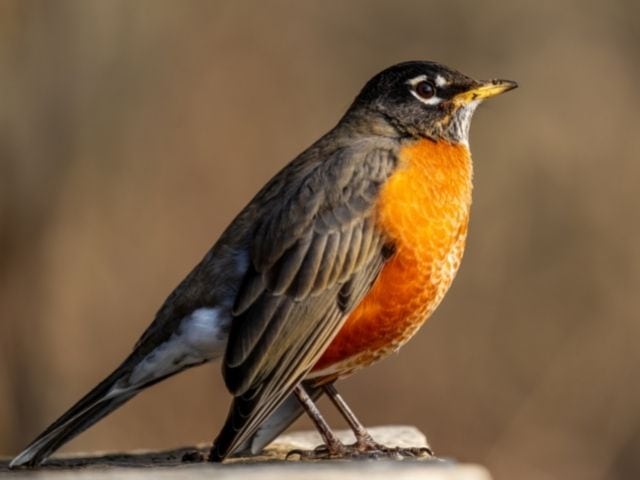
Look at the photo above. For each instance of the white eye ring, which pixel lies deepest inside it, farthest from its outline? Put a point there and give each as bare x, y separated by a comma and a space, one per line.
413, 84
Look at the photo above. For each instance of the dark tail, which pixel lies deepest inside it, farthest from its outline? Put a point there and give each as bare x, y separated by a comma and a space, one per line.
100, 401
108, 395
114, 391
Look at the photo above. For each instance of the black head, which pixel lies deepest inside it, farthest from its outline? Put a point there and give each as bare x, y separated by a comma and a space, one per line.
426, 99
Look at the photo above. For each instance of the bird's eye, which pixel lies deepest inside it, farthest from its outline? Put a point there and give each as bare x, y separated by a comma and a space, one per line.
425, 89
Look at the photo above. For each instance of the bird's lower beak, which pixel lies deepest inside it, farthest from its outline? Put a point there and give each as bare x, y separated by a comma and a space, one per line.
483, 90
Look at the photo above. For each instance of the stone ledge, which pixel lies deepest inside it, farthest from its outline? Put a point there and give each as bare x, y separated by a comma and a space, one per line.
145, 465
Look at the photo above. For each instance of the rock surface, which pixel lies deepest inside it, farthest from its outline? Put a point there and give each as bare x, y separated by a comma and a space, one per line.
185, 462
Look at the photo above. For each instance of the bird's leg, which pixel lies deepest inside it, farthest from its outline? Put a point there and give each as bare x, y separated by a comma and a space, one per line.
332, 447
364, 440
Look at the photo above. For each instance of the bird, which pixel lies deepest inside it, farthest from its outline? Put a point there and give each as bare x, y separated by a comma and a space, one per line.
333, 265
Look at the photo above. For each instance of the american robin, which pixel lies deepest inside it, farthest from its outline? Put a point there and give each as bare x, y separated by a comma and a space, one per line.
333, 265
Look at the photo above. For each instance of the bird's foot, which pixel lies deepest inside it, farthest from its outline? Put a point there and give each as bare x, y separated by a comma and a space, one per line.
321, 452
367, 446
364, 448
409, 452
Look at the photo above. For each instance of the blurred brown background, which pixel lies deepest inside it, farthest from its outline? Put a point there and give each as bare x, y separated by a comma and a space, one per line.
131, 133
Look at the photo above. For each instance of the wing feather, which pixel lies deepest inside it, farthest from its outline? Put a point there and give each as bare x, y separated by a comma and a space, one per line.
328, 260
287, 267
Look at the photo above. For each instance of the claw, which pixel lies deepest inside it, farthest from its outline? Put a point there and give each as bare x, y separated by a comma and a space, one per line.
419, 451
296, 451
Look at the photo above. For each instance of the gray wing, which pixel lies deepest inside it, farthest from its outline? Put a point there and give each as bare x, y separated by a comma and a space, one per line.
314, 254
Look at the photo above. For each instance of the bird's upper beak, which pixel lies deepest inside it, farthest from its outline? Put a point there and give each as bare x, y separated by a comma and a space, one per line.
482, 90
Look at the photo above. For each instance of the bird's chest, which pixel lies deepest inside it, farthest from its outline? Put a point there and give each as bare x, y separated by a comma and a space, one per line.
423, 209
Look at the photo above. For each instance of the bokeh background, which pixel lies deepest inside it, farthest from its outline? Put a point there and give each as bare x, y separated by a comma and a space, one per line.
131, 133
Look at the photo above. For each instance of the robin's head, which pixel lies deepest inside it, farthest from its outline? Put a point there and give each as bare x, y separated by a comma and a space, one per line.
426, 99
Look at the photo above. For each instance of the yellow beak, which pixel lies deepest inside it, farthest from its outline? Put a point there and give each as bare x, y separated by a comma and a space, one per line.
487, 89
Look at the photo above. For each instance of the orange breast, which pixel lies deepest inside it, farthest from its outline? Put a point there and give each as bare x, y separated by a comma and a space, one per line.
424, 209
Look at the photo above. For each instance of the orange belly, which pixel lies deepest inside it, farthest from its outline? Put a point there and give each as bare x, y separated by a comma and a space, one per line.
423, 209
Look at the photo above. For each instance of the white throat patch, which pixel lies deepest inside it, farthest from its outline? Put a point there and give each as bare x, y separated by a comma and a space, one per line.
462, 121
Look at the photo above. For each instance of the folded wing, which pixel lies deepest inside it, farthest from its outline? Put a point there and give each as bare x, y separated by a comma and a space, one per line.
314, 254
